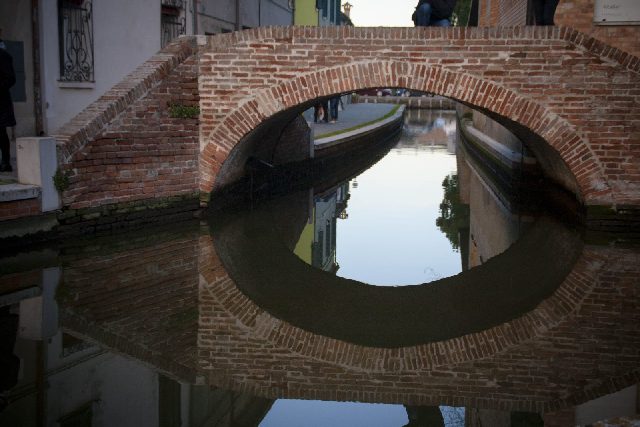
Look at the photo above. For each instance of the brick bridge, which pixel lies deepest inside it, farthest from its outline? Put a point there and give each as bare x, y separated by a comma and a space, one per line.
574, 100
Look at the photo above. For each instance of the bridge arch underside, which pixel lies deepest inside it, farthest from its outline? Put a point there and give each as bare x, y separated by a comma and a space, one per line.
574, 108
563, 154
263, 142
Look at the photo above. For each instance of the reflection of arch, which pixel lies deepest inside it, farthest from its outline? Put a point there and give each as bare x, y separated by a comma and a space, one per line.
560, 135
309, 300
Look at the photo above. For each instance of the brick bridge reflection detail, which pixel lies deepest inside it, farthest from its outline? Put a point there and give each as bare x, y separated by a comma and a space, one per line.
172, 303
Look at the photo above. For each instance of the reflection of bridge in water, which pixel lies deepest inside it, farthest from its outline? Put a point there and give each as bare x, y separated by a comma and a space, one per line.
571, 340
216, 308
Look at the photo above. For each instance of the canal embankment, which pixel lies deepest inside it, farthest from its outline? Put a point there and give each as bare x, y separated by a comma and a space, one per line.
356, 124
361, 135
425, 101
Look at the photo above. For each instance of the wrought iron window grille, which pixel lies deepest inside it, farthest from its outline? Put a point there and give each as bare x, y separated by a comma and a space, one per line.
75, 38
172, 20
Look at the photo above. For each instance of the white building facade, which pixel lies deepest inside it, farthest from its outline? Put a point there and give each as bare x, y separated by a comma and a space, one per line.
67, 53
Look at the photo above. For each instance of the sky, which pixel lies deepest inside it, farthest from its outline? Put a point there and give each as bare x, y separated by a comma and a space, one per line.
386, 13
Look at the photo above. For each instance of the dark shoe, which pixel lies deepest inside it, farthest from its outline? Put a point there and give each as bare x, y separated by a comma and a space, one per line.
6, 167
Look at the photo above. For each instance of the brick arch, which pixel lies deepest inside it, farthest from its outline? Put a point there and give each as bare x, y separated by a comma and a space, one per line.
481, 93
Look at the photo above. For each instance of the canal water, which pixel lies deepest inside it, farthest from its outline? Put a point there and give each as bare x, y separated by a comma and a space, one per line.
418, 290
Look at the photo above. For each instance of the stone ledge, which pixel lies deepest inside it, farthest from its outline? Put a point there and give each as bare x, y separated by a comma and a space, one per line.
12, 192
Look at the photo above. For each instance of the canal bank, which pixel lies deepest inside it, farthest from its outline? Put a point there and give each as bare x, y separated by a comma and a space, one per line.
362, 135
356, 124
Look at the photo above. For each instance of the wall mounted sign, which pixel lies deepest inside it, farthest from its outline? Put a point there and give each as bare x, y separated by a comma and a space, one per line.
617, 12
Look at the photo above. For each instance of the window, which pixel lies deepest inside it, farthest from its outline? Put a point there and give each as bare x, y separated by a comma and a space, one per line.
172, 20
323, 5
75, 38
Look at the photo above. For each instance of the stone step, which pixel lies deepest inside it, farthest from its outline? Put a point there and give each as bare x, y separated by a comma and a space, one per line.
14, 191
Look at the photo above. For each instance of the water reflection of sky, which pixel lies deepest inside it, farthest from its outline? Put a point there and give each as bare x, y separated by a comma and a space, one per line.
390, 236
313, 413
317, 413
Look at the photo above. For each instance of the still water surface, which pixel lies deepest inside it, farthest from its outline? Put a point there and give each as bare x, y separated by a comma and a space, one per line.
390, 236
267, 317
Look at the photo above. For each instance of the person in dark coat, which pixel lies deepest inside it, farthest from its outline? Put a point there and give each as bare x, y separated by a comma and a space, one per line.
436, 13
7, 117
544, 10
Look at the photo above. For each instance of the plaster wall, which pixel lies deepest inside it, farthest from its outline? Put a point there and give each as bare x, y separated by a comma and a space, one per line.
217, 16
306, 13
125, 34
122, 392
266, 12
613, 405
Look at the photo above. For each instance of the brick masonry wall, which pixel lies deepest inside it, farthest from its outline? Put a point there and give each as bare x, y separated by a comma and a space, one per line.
503, 13
129, 147
578, 94
19, 209
563, 418
137, 296
489, 13
578, 14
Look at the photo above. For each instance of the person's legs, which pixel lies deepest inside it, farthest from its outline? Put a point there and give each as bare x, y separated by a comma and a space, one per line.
441, 23
549, 11
5, 166
423, 15
334, 109
538, 11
